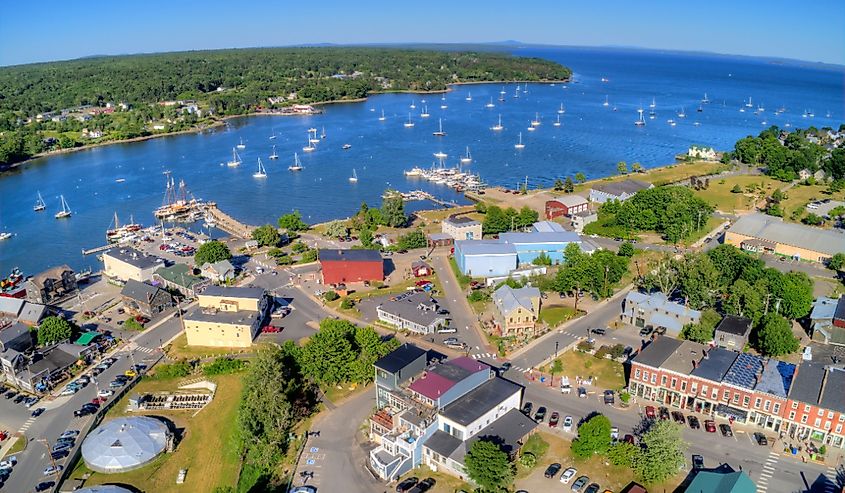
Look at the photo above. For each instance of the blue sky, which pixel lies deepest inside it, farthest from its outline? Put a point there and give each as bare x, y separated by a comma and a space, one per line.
33, 31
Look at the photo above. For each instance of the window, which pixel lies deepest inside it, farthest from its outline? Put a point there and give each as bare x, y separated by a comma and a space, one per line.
704, 390
806, 408
736, 398
674, 382
818, 422
838, 429
683, 386
726, 395
821, 412
791, 415
637, 374
654, 378
830, 415
768, 405
694, 387
757, 403
803, 418
794, 405
645, 375
715, 394
776, 409
663, 380
746, 401
841, 418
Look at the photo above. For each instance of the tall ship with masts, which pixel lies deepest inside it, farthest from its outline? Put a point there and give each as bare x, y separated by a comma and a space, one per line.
177, 206
119, 233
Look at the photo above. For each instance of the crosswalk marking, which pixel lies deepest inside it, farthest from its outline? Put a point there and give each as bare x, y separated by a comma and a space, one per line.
25, 426
767, 471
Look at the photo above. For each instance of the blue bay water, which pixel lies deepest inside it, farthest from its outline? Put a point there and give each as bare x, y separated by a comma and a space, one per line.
592, 138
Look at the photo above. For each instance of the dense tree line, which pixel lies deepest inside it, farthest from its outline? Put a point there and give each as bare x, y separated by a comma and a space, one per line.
674, 212
785, 154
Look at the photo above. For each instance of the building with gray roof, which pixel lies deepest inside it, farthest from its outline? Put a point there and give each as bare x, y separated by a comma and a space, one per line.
745, 371
732, 332
715, 364
125, 444
807, 383
617, 190
145, 299
127, 263
517, 310
827, 320
685, 357
833, 392
480, 401
776, 378
658, 351
657, 311
763, 233
414, 311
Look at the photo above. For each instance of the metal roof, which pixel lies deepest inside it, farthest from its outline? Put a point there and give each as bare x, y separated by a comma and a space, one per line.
479, 401
547, 227
124, 444
508, 299
618, 188
776, 378
715, 364
825, 308
657, 351
461, 221
658, 301
685, 357
764, 227
833, 394
349, 255
721, 482
484, 247
133, 257
540, 237
234, 292
410, 307
807, 384
570, 200
745, 371
732, 324
399, 358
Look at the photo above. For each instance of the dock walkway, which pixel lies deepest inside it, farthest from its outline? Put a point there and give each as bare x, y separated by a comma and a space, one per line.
227, 223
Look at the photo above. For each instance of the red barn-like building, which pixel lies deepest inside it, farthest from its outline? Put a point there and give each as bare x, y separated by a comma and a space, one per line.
345, 266
566, 205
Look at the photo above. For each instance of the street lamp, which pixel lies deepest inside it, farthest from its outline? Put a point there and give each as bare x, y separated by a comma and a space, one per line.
557, 343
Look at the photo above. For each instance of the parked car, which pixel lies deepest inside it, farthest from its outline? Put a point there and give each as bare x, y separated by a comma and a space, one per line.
609, 399
51, 470
406, 484
614, 433
697, 461
8, 462
271, 329
37, 412
726, 430
645, 331
567, 475
693, 422
629, 439
44, 486
580, 483
593, 488
552, 470
678, 416
425, 485
69, 433
567, 423
304, 489
540, 415
649, 412
105, 393
582, 392
761, 439
554, 420
664, 413
710, 426
526, 408
447, 330
61, 446
598, 331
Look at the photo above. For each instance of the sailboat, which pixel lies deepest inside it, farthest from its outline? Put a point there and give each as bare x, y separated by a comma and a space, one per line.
313, 138
653, 103
440, 155
323, 133
439, 133
498, 126
519, 145
297, 164
606, 102
382, 117
310, 147
443, 105
561, 110
346, 147
354, 177
516, 92
536, 121
241, 145
274, 155
469, 96
748, 103
236, 159
705, 100
413, 105
557, 123
409, 123
640, 121
424, 113
5, 235
39, 204
502, 94
466, 159
682, 113
119, 233
531, 127
261, 173
490, 104
65, 212
273, 135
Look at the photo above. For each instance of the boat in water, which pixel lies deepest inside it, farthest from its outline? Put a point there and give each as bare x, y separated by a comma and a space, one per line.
536, 121
606, 101
261, 172
415, 171
557, 123
5, 235
519, 144
177, 206
498, 126
297, 164
14, 285
409, 123
39, 204
440, 132
382, 117
310, 147
236, 159
469, 96
118, 233
424, 113
440, 155
274, 155
640, 120
241, 145
346, 147
354, 177
467, 158
490, 104
65, 212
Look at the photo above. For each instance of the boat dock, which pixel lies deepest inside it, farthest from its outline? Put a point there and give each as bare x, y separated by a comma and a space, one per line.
97, 249
227, 223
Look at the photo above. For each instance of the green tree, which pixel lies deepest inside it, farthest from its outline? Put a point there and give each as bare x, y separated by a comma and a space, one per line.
794, 290
746, 300
558, 186
366, 238
330, 295
662, 453
580, 177
593, 437
542, 259
337, 229
266, 235
495, 221
837, 262
637, 168
210, 252
622, 168
568, 186
489, 466
54, 329
702, 331
622, 454
328, 355
393, 210
774, 336
626, 249
370, 347
309, 255
699, 280
292, 222
414, 239
736, 189
813, 219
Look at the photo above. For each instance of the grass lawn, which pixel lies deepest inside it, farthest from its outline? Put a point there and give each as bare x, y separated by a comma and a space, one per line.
445, 483
663, 175
554, 315
208, 449
608, 374
179, 349
19, 446
712, 223
463, 280
720, 196
799, 196
334, 394
604, 227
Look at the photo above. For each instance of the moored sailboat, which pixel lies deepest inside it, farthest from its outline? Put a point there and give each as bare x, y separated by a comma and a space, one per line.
39, 204
261, 173
297, 164
65, 212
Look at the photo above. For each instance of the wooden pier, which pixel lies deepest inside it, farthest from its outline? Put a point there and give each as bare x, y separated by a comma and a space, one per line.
97, 249
227, 223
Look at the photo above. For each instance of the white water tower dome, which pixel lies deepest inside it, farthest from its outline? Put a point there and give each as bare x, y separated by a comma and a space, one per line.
103, 488
124, 444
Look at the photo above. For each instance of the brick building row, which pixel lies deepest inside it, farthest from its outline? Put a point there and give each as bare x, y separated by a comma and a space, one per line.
804, 401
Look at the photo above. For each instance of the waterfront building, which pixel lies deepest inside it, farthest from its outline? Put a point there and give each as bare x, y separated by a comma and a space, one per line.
462, 228
127, 263
180, 277
762, 233
226, 317
396, 369
517, 311
617, 190
347, 266
566, 205
655, 310
581, 219
531, 245
705, 153
141, 298
52, 285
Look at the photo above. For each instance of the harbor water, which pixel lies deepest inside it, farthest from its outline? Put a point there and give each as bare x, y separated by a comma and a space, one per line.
591, 138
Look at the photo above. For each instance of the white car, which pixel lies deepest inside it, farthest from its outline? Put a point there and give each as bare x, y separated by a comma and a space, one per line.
567, 423
105, 393
614, 433
567, 475
51, 470
69, 391
69, 434
8, 463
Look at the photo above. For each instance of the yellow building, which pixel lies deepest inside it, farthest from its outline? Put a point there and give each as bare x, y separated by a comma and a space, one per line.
769, 234
517, 310
226, 317
127, 263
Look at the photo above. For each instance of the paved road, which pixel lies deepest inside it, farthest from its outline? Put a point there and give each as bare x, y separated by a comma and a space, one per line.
455, 300
336, 457
59, 415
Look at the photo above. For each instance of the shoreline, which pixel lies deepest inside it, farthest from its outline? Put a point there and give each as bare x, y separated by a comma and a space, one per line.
221, 121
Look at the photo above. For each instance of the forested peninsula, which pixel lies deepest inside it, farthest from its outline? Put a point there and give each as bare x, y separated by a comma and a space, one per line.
53, 106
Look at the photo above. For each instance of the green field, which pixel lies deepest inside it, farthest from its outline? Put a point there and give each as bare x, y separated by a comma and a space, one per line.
719, 193
554, 315
608, 374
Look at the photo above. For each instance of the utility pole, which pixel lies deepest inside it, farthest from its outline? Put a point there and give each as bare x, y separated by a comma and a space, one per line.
606, 270
49, 451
